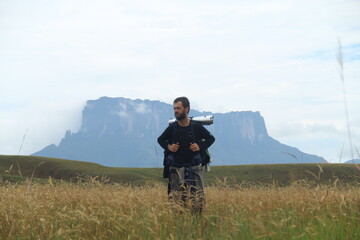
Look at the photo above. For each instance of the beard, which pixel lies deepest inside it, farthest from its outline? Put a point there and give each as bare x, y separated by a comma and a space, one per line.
180, 117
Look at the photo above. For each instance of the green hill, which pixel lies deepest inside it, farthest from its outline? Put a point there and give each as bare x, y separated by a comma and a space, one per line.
17, 168
43, 167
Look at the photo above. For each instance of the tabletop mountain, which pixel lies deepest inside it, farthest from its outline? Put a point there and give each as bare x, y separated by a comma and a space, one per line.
123, 132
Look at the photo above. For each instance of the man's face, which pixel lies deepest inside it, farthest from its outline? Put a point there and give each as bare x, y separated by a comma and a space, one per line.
180, 112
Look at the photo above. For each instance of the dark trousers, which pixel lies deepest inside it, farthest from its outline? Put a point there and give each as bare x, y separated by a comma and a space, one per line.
186, 187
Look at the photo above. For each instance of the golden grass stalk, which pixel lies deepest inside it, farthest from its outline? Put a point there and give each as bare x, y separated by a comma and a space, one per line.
98, 211
341, 71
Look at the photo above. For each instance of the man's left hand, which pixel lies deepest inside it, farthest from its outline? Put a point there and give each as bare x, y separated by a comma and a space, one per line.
194, 147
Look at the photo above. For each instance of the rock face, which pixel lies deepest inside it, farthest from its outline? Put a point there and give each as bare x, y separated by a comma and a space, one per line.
123, 132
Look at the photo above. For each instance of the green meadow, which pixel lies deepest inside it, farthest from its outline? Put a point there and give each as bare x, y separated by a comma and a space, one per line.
19, 168
47, 198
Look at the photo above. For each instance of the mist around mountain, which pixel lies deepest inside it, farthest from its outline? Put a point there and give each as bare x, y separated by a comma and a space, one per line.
122, 132
357, 161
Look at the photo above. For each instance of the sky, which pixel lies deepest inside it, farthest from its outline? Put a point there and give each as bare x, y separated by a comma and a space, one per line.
275, 57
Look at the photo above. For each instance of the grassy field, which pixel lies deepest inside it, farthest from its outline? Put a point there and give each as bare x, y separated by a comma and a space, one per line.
18, 168
91, 210
13, 167
302, 201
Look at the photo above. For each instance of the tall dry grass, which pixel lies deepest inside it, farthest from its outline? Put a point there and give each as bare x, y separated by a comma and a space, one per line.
97, 211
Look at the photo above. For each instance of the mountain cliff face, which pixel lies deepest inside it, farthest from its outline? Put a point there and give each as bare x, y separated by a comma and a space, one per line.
123, 132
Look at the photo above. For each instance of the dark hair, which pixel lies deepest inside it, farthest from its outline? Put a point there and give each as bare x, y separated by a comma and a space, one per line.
184, 100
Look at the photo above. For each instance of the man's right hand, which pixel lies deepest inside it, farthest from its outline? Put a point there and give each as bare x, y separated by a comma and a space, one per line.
173, 147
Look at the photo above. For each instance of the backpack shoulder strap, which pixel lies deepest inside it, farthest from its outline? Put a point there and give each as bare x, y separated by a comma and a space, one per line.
192, 129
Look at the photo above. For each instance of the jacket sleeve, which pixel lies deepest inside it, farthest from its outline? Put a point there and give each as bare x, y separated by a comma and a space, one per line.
206, 138
165, 138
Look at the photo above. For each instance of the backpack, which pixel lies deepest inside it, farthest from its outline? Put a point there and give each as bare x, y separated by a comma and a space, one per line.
169, 157
204, 153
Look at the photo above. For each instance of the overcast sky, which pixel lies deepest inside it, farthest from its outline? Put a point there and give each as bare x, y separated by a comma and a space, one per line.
276, 57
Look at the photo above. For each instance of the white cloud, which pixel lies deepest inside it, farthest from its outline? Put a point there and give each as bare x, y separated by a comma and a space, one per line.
141, 108
45, 123
276, 57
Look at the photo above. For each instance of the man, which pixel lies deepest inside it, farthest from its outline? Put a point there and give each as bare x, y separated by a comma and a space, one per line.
183, 140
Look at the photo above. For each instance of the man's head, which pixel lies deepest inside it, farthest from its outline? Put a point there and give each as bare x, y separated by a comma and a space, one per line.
181, 108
